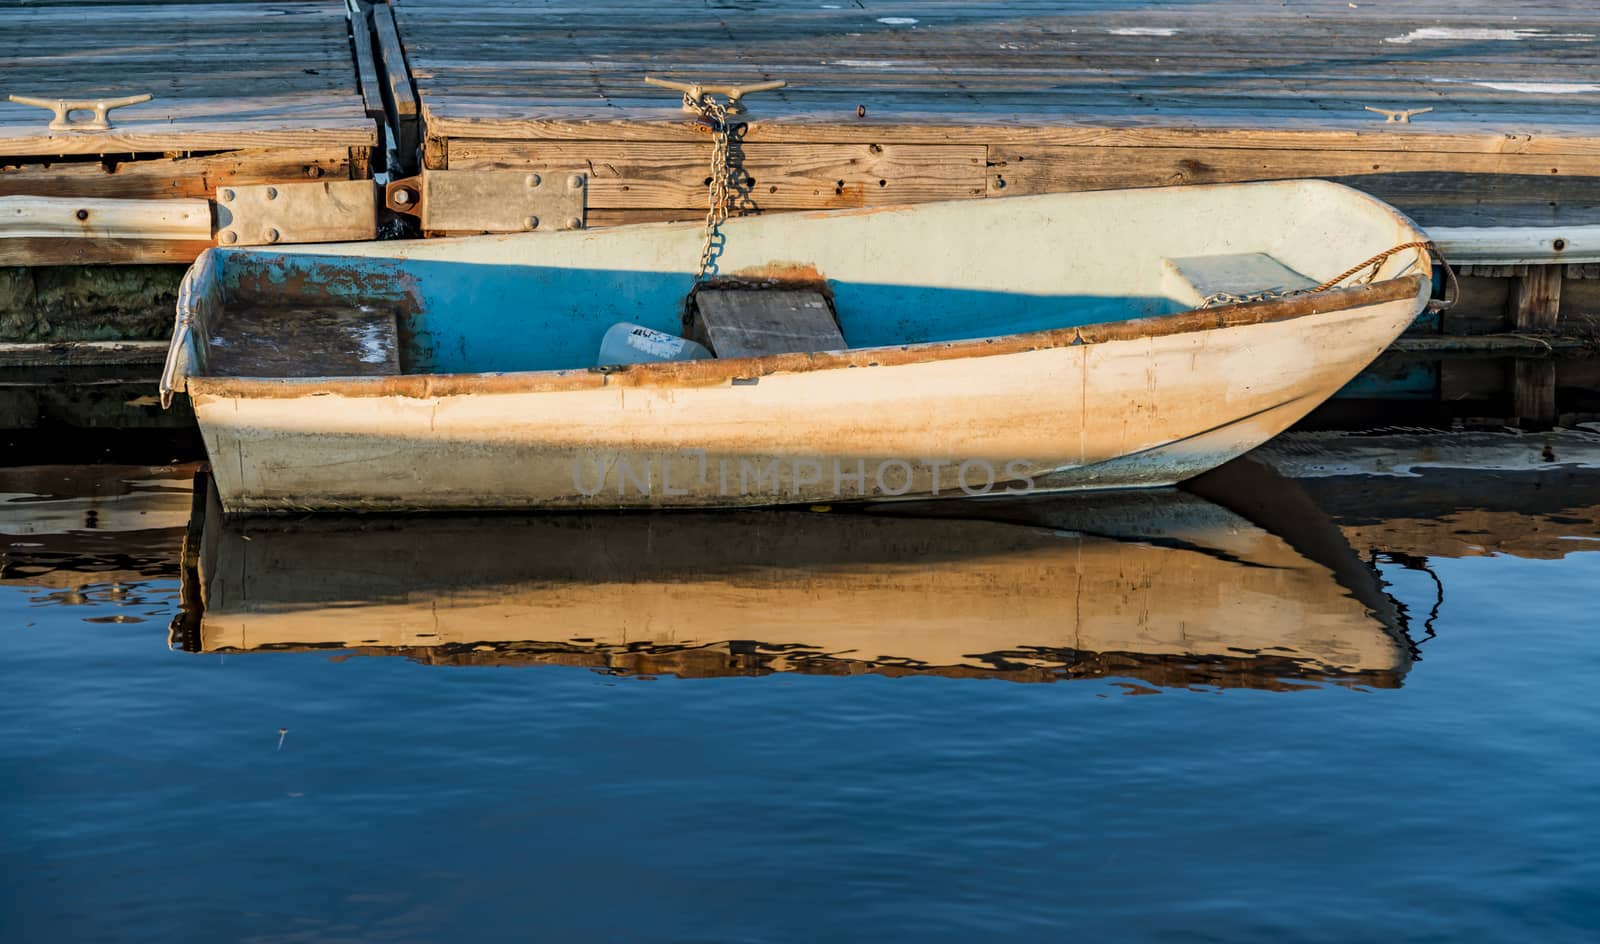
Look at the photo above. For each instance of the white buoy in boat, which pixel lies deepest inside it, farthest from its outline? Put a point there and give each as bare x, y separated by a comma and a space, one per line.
627, 343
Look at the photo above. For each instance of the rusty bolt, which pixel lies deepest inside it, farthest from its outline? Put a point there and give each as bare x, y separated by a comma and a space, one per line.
226, 195
313, 171
575, 182
534, 180
271, 235
272, 193
83, 214
229, 237
533, 222
574, 223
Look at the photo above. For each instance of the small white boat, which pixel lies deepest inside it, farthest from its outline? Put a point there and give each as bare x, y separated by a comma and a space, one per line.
1071, 341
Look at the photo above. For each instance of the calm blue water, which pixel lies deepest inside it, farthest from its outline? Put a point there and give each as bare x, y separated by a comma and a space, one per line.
166, 796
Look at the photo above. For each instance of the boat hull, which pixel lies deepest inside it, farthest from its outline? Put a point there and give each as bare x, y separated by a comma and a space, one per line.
990, 417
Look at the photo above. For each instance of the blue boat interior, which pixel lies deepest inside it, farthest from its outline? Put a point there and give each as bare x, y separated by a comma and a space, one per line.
454, 317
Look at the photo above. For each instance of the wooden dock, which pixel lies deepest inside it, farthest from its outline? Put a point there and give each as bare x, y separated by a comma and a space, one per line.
894, 101
243, 93
900, 102
888, 102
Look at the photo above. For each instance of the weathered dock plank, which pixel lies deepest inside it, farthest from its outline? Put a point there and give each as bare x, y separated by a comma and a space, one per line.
242, 93
222, 75
400, 98
178, 177
1063, 94
901, 101
1536, 297
632, 175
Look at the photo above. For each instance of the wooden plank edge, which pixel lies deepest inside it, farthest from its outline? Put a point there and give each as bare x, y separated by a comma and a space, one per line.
353, 132
26, 217
48, 251
366, 63
391, 59
1535, 300
1519, 245
403, 113
670, 126
81, 353
165, 178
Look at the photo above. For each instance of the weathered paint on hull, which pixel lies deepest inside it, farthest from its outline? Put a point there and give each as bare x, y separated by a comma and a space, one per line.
1141, 411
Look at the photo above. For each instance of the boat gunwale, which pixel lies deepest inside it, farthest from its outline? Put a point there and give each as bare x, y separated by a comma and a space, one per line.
722, 371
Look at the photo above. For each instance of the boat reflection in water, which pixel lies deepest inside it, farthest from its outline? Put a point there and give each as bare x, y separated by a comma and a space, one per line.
1237, 582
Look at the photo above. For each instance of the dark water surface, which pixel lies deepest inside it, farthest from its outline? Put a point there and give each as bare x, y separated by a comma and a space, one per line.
1339, 707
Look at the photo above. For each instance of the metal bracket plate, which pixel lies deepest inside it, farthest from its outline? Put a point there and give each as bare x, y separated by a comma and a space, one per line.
334, 211
491, 201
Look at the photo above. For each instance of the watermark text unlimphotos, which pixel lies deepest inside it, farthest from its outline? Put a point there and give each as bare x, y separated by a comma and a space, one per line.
794, 477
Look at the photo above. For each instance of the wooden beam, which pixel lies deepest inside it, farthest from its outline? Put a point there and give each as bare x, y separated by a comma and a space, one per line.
596, 218
224, 76
1575, 244
435, 153
662, 124
1236, 73
23, 217
81, 353
1018, 170
41, 251
399, 97
288, 132
360, 163
164, 177
66, 231
656, 176
1536, 298
396, 81
366, 60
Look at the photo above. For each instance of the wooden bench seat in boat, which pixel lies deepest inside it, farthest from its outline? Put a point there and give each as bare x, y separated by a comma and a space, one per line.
1193, 279
758, 322
305, 342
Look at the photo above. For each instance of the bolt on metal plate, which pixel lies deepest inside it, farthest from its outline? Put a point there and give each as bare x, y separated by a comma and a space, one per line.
501, 201
321, 212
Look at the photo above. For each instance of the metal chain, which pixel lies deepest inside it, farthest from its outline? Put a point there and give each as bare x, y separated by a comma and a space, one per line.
719, 193
1376, 262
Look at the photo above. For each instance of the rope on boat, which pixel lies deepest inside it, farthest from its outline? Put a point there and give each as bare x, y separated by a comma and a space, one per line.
1375, 263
